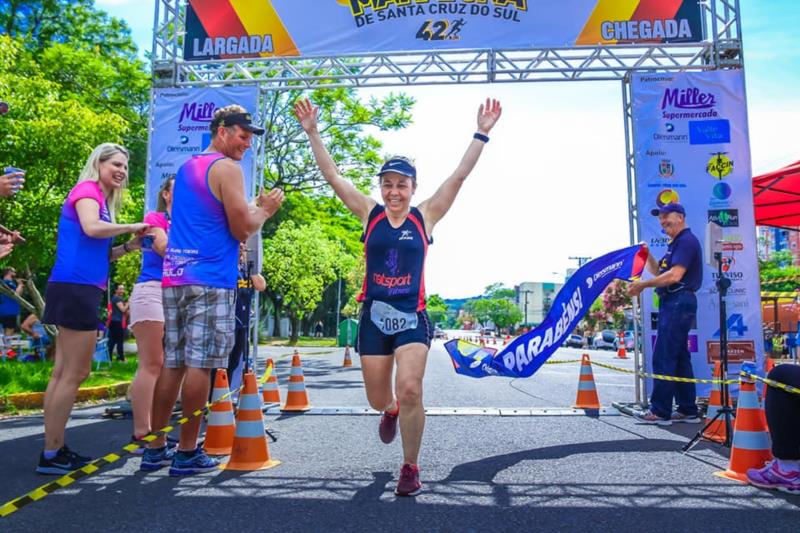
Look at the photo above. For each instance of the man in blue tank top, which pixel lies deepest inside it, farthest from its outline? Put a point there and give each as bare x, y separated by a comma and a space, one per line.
210, 217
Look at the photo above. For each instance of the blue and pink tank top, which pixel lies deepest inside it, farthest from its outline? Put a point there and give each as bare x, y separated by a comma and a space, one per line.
201, 249
81, 259
395, 260
152, 263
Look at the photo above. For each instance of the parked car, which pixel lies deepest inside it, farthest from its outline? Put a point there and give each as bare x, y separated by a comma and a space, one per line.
628, 341
438, 333
605, 340
487, 331
574, 341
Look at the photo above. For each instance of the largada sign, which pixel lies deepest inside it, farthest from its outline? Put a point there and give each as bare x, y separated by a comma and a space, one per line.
231, 29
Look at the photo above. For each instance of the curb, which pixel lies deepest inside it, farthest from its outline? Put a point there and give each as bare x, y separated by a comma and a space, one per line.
35, 400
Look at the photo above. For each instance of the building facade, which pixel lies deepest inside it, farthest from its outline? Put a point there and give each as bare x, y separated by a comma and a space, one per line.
534, 299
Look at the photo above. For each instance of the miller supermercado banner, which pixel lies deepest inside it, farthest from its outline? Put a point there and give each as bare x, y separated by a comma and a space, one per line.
181, 127
227, 29
692, 146
523, 356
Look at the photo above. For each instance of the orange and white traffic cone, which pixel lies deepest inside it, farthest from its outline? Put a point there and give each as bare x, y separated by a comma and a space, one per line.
587, 391
348, 360
508, 339
250, 448
716, 431
296, 396
751, 445
269, 390
220, 426
621, 353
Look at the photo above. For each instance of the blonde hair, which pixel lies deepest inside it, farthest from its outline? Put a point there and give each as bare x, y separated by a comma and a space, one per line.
91, 172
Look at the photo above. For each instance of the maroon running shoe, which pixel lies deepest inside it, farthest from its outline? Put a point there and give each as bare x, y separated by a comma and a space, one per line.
409, 484
387, 430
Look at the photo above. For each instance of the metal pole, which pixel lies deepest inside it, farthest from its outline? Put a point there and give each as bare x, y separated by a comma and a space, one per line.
632, 235
338, 304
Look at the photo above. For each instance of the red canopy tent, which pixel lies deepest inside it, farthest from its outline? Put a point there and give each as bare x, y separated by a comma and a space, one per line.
776, 196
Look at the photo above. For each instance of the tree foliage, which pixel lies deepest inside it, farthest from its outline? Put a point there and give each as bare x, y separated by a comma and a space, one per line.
778, 266
344, 123
299, 262
437, 309
77, 22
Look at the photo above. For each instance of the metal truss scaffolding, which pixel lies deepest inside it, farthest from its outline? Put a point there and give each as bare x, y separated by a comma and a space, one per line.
720, 49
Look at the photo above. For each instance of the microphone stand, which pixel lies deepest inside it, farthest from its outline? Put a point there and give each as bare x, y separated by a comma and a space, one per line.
726, 411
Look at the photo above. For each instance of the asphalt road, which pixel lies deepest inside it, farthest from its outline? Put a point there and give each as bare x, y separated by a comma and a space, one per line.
498, 455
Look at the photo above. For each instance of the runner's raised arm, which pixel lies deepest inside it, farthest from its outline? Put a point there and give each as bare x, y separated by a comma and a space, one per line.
356, 201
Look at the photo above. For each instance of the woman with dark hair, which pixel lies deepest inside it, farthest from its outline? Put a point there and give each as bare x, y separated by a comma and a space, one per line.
394, 326
147, 312
86, 228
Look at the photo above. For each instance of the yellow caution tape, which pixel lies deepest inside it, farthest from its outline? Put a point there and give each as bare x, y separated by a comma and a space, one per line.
796, 277
772, 383
68, 479
774, 294
665, 378
561, 362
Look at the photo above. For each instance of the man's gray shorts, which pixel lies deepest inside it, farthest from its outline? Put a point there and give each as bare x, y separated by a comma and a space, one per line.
199, 326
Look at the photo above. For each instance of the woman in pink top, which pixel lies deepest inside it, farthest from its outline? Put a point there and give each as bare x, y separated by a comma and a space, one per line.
147, 312
86, 228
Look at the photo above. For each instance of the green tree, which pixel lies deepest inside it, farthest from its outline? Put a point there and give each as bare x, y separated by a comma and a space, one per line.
344, 123
77, 22
779, 266
497, 290
299, 262
504, 313
437, 308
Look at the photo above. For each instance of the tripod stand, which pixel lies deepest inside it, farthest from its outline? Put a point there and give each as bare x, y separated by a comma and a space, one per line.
726, 411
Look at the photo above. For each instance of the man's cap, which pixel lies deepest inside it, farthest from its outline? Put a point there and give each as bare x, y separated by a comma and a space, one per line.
243, 120
668, 208
401, 166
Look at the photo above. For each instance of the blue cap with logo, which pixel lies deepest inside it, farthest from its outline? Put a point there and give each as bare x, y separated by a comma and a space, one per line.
668, 208
399, 165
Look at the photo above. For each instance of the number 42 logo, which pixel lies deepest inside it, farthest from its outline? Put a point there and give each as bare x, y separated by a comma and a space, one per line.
735, 326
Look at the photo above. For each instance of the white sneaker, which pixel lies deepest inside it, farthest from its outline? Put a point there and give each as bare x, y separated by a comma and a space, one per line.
648, 417
681, 418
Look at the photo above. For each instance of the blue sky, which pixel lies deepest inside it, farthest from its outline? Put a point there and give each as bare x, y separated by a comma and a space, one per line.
554, 172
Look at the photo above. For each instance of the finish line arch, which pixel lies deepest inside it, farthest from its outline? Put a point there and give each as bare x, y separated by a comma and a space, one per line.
222, 43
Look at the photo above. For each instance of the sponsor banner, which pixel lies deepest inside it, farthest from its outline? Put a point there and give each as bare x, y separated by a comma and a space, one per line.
738, 351
228, 29
180, 128
524, 355
691, 146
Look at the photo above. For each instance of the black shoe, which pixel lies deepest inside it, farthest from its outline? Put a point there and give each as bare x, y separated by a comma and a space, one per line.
64, 462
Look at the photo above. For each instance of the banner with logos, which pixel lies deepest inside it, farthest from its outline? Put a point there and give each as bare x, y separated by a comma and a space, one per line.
228, 29
180, 127
527, 353
691, 145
